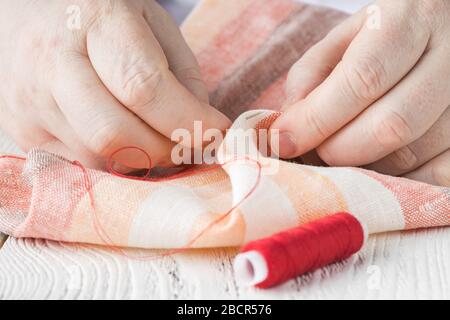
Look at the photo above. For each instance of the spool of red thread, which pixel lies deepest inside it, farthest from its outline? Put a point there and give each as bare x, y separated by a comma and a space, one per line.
268, 262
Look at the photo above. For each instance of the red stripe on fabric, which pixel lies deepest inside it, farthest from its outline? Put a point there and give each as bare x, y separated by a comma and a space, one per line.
423, 205
223, 55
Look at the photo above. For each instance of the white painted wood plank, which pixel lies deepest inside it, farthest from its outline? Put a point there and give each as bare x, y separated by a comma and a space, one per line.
412, 265
409, 265
7, 146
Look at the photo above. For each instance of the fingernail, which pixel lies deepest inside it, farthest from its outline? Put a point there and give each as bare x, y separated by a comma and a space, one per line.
120, 168
288, 145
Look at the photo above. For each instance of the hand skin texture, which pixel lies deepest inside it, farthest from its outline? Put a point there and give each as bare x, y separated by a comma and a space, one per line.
125, 78
377, 98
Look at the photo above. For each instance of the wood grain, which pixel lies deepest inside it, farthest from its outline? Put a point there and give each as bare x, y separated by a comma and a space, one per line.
7, 146
408, 265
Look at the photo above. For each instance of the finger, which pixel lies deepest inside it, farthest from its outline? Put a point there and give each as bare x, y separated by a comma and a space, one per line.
25, 133
68, 145
99, 120
132, 65
65, 142
402, 116
75, 151
59, 137
58, 147
182, 61
410, 157
436, 172
319, 61
375, 61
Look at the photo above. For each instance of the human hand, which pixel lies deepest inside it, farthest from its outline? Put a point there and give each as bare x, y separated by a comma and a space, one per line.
125, 77
376, 97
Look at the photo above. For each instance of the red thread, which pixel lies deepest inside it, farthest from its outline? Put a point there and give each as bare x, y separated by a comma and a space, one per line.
186, 173
103, 234
13, 157
306, 248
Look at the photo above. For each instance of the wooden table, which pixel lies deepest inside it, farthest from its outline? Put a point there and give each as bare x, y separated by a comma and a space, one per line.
410, 265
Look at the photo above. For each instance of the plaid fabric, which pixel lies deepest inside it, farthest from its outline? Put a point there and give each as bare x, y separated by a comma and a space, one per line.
245, 49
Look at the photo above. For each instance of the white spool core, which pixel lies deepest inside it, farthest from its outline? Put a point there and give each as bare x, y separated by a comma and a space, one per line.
250, 268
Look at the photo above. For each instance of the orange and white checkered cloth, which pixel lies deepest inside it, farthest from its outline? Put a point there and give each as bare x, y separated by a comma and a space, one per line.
245, 49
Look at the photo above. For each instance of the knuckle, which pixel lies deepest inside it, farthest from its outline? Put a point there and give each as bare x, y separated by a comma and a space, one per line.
193, 81
309, 64
392, 131
326, 155
320, 130
441, 174
106, 138
364, 77
140, 85
403, 159
189, 73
